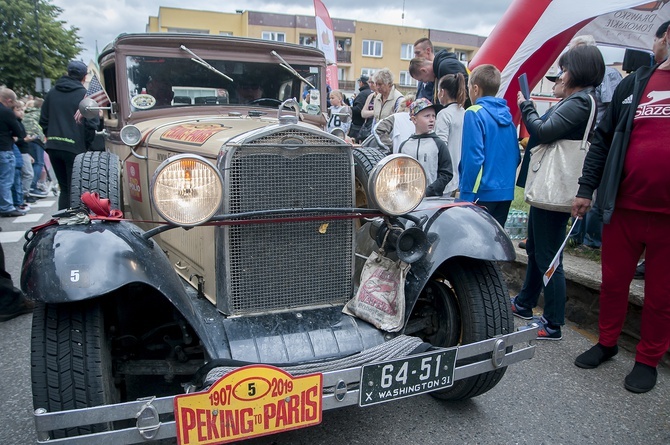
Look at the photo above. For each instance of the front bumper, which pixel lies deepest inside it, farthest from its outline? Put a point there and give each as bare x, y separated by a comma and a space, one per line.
340, 389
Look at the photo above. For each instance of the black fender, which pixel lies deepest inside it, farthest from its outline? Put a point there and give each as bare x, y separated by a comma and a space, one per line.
71, 263
455, 231
452, 230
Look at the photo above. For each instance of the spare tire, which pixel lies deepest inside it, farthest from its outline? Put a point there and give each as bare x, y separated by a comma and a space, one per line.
365, 159
96, 171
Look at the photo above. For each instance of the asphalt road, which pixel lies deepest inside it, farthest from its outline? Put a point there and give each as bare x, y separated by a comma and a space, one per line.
546, 400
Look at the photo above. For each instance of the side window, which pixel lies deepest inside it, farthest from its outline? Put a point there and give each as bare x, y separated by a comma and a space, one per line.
406, 51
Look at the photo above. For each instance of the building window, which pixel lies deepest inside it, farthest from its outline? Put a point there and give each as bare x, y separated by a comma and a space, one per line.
225, 33
308, 41
406, 80
368, 72
188, 31
372, 48
272, 35
462, 56
407, 51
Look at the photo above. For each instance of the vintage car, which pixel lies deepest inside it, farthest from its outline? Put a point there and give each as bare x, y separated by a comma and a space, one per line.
212, 309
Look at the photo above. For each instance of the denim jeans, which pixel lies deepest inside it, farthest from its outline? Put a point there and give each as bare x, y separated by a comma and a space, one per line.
7, 171
17, 189
546, 232
588, 230
38, 165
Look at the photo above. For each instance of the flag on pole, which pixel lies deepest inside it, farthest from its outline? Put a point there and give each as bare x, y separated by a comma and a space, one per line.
325, 41
96, 92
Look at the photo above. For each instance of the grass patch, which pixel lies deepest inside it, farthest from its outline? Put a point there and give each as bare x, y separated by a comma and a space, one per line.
519, 203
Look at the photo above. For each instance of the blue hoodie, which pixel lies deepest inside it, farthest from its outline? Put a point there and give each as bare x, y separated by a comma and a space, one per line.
490, 152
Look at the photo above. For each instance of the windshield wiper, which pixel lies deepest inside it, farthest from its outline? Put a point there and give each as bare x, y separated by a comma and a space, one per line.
290, 69
197, 59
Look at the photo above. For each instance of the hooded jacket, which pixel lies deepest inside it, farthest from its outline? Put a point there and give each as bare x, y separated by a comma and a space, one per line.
359, 102
489, 153
604, 162
447, 63
433, 155
58, 121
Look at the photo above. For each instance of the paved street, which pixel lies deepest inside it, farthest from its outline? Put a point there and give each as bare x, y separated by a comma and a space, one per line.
546, 400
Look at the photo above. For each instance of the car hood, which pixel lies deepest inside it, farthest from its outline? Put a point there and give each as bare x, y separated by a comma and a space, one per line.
198, 134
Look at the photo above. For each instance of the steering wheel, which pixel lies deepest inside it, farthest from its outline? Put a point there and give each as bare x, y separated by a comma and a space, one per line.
266, 102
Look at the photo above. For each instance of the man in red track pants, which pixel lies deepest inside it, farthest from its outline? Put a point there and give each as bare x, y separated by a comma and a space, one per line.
628, 163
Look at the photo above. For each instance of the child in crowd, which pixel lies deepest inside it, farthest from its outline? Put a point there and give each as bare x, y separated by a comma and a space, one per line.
490, 150
339, 113
427, 148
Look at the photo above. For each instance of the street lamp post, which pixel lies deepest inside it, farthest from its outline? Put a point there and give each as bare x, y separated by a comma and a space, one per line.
39, 46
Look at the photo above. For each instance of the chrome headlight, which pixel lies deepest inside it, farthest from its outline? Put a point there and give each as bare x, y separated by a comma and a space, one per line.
130, 135
397, 185
186, 190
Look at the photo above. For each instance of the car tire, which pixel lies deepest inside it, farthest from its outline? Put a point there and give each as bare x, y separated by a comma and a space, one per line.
471, 303
365, 159
96, 171
71, 362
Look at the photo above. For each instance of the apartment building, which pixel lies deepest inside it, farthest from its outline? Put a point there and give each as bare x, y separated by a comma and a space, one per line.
362, 47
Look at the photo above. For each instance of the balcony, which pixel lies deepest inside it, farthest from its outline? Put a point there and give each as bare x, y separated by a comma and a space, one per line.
349, 85
343, 56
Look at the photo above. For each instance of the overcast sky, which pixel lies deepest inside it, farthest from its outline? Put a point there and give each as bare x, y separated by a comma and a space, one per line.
103, 20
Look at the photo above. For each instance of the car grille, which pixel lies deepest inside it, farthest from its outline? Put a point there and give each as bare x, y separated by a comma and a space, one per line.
278, 266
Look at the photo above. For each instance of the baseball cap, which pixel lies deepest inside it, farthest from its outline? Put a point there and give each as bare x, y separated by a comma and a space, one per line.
554, 78
77, 69
364, 78
419, 105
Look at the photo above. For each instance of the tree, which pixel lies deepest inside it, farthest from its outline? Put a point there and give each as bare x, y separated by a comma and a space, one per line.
20, 46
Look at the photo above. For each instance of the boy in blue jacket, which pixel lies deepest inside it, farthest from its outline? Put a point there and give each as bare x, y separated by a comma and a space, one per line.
490, 151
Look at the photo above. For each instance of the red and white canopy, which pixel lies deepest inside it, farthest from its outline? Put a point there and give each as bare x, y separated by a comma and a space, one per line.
533, 33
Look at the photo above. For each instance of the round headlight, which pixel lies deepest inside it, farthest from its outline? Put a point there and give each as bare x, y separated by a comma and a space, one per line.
131, 135
397, 185
186, 190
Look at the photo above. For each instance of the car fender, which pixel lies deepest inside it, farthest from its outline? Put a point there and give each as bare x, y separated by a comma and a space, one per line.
455, 231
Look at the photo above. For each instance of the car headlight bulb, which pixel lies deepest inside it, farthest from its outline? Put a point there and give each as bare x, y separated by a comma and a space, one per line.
397, 185
186, 190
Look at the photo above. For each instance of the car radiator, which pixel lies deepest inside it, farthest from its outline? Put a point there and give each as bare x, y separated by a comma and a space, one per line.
277, 266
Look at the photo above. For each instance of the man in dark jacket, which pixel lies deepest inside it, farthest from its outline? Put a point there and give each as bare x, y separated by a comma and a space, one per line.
628, 163
424, 48
444, 63
66, 137
357, 120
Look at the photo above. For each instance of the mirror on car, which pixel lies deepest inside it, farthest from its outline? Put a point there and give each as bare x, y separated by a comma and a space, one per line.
89, 108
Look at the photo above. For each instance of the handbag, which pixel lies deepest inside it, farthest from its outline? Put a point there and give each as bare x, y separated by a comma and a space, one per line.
552, 180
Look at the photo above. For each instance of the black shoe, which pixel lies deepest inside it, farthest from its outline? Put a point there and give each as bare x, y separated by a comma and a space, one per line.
12, 214
23, 306
639, 271
522, 244
641, 379
29, 199
595, 356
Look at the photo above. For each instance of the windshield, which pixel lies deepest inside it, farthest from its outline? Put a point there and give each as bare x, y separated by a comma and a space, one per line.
162, 82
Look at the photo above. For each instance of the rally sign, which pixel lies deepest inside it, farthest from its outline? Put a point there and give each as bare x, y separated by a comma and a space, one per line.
249, 402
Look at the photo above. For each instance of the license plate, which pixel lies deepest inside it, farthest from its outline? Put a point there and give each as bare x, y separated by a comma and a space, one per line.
407, 377
249, 402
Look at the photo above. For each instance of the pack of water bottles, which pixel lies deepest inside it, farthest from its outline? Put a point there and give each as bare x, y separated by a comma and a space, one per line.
516, 225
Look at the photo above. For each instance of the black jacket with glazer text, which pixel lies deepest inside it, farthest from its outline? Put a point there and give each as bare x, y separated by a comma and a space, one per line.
605, 160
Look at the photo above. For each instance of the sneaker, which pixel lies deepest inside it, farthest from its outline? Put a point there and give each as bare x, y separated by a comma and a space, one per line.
23, 306
37, 193
544, 332
520, 311
30, 199
641, 379
522, 244
595, 356
23, 207
12, 214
